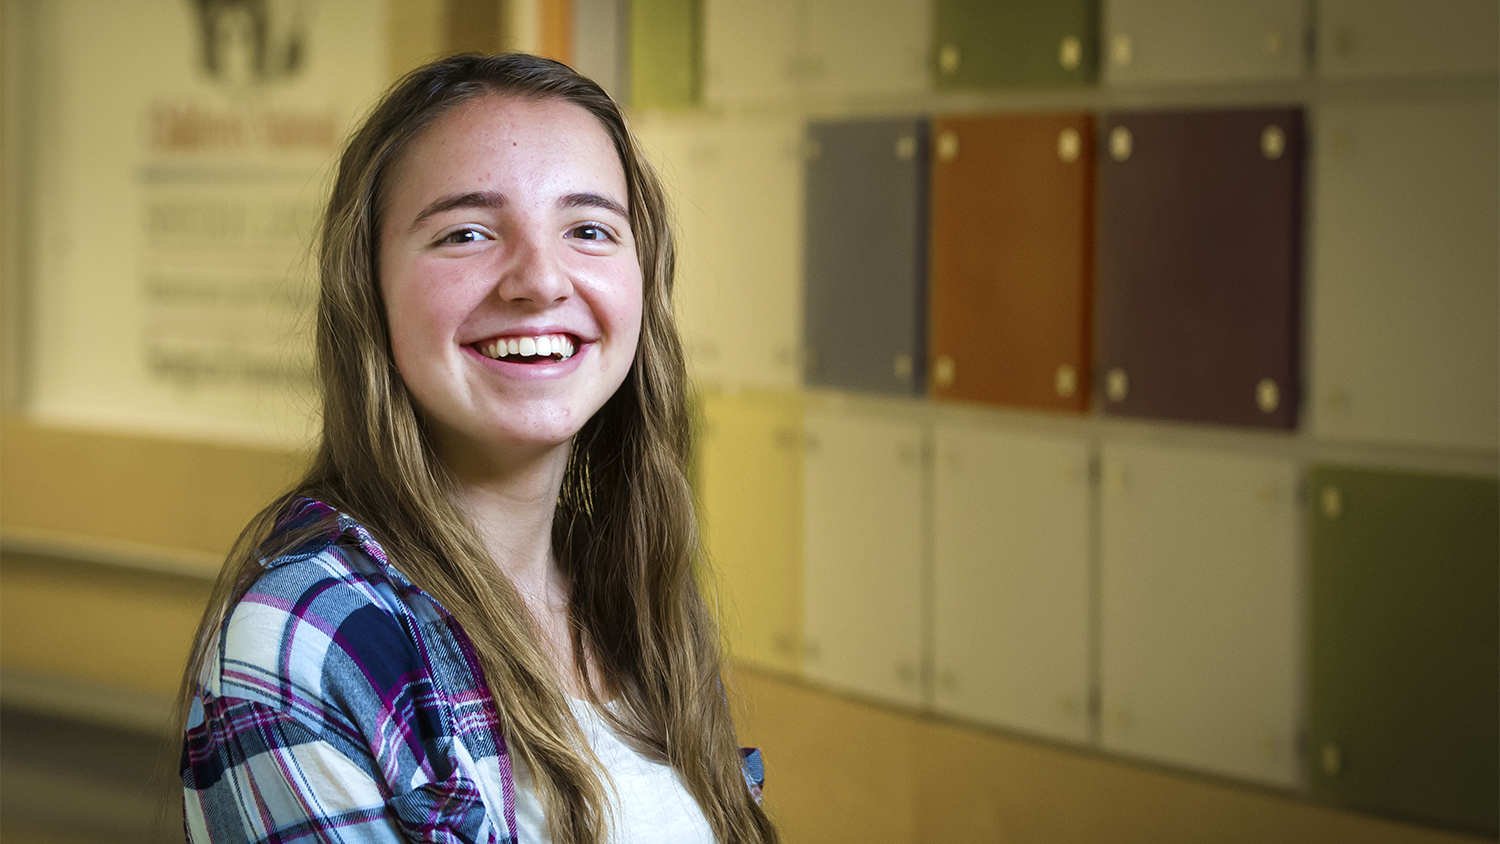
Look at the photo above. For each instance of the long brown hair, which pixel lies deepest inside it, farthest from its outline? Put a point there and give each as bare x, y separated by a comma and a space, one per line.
624, 534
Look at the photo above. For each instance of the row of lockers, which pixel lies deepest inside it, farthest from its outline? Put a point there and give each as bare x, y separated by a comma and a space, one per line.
1196, 240
727, 52
1147, 599
1149, 262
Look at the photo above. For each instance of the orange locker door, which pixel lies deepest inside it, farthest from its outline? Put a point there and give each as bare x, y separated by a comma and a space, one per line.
1011, 259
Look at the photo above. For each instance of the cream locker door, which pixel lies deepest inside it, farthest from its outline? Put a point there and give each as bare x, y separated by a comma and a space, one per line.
1158, 42
684, 149
1393, 38
1200, 623
737, 196
749, 486
1011, 580
1405, 344
862, 582
866, 47
750, 303
751, 51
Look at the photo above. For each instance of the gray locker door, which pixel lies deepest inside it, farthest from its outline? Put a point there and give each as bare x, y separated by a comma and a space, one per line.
864, 320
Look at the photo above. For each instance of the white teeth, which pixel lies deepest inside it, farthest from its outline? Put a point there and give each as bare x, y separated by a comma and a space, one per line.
547, 345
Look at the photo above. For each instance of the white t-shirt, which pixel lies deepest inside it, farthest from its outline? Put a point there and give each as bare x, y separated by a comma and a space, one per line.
648, 802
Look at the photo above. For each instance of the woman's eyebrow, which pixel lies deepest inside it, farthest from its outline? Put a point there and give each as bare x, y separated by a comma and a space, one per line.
475, 199
592, 200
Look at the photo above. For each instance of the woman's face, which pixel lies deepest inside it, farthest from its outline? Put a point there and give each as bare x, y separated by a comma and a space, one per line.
509, 273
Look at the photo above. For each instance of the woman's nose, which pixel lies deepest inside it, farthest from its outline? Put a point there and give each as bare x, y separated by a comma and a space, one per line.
535, 273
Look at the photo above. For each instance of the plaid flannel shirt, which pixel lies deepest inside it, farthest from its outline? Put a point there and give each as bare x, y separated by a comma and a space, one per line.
342, 703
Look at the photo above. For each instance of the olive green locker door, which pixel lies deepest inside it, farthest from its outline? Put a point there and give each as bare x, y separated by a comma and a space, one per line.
1398, 38
1405, 641
1014, 43
1176, 42
1011, 618
665, 53
862, 560
1405, 344
749, 486
1200, 623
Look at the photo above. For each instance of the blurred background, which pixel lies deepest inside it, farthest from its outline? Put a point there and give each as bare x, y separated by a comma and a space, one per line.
1098, 401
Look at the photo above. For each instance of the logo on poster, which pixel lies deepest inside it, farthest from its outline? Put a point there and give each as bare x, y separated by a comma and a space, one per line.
252, 42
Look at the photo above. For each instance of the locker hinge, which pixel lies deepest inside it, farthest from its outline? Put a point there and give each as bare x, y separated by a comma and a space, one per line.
1096, 470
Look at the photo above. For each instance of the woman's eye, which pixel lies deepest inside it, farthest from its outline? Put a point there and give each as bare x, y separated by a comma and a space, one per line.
464, 236
590, 232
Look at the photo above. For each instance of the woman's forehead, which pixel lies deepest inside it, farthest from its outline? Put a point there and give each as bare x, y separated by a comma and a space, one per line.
499, 141
494, 129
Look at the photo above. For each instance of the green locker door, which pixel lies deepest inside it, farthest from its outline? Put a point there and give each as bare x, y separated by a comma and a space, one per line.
1014, 43
1404, 689
665, 53
749, 488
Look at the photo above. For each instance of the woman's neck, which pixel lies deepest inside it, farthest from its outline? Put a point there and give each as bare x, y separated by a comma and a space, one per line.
511, 506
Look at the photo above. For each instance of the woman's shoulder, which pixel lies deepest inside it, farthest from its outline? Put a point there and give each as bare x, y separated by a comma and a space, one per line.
330, 608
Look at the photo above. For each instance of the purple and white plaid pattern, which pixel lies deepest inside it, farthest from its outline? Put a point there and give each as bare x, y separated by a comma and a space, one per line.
346, 705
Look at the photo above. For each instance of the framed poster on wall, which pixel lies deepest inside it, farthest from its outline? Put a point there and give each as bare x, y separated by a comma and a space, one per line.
179, 152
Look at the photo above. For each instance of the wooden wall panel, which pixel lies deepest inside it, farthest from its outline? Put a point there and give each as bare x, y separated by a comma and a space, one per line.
1011, 254
1199, 251
88, 624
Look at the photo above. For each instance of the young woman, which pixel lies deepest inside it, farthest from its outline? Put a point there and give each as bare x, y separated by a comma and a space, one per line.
476, 617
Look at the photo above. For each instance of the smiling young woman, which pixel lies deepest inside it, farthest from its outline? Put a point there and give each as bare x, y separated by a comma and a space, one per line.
476, 618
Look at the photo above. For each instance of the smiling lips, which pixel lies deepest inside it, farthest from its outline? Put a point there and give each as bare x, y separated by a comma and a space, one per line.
528, 349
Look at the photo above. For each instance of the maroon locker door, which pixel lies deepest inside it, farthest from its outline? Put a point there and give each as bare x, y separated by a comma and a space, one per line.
1011, 259
1198, 250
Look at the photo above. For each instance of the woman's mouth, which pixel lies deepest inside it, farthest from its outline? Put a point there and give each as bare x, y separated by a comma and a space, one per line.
540, 348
